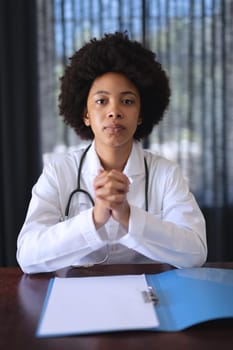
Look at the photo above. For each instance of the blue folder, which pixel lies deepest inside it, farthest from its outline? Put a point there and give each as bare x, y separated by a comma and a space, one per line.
188, 297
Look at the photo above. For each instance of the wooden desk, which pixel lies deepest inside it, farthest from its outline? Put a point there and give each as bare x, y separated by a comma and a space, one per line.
22, 297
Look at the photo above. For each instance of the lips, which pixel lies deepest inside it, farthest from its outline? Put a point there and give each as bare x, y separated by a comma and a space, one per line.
114, 127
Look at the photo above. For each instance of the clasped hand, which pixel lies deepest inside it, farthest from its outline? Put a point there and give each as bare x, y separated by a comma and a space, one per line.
111, 189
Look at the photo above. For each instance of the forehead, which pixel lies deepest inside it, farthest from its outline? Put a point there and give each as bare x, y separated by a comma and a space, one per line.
113, 82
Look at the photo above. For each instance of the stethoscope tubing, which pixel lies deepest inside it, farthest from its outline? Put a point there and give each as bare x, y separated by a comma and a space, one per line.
80, 190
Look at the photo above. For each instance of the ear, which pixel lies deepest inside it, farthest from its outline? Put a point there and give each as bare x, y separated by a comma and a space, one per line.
86, 119
139, 120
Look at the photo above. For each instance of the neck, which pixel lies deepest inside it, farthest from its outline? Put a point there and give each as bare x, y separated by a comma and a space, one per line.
114, 158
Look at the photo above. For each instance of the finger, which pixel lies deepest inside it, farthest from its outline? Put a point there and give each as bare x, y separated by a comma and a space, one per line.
100, 179
112, 199
114, 174
111, 188
110, 185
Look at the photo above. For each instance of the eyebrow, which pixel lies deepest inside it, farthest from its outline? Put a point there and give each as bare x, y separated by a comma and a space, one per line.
127, 92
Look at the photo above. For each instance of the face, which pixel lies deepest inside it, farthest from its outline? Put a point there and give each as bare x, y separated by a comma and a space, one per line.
113, 110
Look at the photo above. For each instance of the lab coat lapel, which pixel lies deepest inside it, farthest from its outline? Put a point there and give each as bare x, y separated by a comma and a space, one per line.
135, 170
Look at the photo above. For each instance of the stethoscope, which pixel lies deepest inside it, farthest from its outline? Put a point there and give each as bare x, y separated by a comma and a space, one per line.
80, 190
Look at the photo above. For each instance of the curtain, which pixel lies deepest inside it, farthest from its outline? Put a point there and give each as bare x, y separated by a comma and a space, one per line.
20, 142
194, 42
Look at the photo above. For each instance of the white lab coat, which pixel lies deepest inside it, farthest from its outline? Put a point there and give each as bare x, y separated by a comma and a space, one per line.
172, 231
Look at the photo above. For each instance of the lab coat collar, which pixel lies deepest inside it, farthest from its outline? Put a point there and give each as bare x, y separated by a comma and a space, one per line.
134, 165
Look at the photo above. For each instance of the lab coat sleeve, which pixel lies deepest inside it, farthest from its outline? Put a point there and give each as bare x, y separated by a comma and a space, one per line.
176, 235
46, 243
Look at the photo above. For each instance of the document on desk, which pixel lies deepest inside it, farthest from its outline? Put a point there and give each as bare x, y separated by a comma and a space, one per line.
82, 305
185, 297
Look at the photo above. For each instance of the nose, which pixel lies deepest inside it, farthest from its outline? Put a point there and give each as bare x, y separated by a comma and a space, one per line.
115, 112
115, 115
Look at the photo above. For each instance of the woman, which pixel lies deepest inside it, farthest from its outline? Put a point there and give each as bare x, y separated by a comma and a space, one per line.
132, 206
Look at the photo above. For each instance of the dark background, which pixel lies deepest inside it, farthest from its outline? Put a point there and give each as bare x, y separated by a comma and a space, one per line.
21, 140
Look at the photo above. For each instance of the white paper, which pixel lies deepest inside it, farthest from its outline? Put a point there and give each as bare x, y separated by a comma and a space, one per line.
96, 304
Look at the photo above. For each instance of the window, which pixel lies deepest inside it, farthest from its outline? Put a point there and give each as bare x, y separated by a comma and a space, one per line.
194, 42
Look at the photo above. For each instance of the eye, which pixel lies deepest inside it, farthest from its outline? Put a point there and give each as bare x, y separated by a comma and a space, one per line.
128, 101
100, 101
